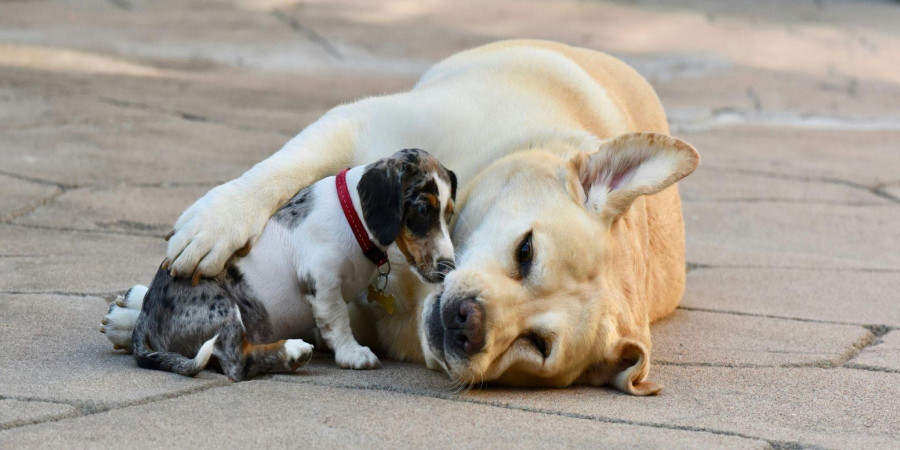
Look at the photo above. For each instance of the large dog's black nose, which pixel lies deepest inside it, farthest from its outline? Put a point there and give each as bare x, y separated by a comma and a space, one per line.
465, 327
444, 266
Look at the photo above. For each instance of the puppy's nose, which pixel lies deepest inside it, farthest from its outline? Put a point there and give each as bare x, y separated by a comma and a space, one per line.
444, 266
467, 328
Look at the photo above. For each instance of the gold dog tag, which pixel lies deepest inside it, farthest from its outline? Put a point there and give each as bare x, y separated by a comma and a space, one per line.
386, 301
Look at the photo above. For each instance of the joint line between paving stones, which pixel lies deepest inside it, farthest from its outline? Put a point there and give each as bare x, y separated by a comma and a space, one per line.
85, 230
84, 410
309, 33
871, 327
877, 191
691, 266
422, 393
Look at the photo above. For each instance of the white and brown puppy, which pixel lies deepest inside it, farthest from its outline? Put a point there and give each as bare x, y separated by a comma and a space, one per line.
306, 265
570, 235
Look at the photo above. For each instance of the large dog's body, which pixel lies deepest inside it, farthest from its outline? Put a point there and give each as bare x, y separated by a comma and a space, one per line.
528, 126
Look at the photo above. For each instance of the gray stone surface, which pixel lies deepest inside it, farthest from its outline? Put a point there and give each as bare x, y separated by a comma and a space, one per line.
15, 413
131, 209
21, 196
116, 114
883, 355
62, 260
705, 338
51, 349
287, 415
794, 235
858, 297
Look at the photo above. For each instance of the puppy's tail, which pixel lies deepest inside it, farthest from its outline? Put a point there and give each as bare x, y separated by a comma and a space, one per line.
173, 362
118, 324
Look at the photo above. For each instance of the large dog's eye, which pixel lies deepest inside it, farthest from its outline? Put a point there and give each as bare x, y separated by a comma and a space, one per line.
540, 344
524, 256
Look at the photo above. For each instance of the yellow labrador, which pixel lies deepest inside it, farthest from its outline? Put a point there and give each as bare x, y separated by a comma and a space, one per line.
570, 233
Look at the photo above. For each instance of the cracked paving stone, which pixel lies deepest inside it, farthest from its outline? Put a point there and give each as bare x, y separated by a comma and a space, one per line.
51, 349
865, 298
866, 158
42, 260
249, 413
704, 338
15, 413
144, 210
884, 355
20, 196
710, 185
796, 235
805, 406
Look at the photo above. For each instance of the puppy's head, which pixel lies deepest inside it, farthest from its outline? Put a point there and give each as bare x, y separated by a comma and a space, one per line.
407, 198
549, 288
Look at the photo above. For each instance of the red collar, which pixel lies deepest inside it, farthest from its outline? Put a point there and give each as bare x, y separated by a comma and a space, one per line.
368, 247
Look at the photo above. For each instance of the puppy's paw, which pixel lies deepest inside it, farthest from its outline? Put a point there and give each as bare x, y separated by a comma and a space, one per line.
119, 321
298, 353
356, 357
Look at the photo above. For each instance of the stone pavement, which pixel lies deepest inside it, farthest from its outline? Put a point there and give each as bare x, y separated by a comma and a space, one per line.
115, 115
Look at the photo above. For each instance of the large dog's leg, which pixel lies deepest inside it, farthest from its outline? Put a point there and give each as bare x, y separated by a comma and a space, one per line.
232, 216
333, 320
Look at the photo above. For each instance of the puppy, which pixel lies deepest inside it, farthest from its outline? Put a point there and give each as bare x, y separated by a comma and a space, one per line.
319, 251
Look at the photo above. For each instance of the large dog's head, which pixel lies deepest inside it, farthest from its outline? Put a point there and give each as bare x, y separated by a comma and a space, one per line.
545, 290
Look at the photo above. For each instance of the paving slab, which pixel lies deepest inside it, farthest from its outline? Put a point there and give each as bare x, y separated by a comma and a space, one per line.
723, 186
14, 413
848, 157
883, 355
133, 209
278, 414
799, 406
62, 260
771, 234
51, 349
705, 338
856, 297
20, 196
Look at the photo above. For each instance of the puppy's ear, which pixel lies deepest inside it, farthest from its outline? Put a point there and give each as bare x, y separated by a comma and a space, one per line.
381, 197
625, 369
628, 166
452, 183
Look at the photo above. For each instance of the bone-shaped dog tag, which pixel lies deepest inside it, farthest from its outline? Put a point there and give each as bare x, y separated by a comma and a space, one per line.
385, 300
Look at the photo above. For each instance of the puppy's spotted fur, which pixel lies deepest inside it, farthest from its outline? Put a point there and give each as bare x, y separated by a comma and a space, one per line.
304, 268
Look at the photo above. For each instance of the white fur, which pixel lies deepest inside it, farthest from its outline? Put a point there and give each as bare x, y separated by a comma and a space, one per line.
123, 313
206, 350
297, 349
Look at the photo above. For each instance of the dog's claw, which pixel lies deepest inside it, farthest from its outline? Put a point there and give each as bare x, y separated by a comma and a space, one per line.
169, 236
195, 280
105, 321
103, 329
165, 264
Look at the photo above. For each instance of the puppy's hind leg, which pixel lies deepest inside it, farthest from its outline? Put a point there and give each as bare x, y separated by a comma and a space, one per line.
241, 360
118, 324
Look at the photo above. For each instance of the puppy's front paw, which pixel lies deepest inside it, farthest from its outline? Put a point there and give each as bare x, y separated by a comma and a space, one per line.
356, 357
297, 352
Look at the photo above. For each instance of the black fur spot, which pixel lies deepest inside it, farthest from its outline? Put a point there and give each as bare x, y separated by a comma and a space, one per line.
380, 193
296, 209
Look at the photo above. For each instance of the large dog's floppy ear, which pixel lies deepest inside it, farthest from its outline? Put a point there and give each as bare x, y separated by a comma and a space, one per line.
631, 165
625, 369
381, 196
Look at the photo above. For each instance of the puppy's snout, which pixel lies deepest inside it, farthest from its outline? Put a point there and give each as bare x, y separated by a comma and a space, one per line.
444, 266
466, 328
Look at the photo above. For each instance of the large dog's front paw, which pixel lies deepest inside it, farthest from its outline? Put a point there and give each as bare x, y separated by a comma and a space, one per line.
208, 233
298, 353
356, 357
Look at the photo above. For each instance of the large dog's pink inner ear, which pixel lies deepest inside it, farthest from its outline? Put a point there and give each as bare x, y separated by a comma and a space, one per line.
631, 165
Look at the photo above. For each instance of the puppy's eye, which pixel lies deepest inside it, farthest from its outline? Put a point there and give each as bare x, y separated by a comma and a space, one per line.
524, 255
422, 208
540, 344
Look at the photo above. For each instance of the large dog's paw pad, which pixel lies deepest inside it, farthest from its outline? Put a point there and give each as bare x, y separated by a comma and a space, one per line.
298, 353
356, 357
